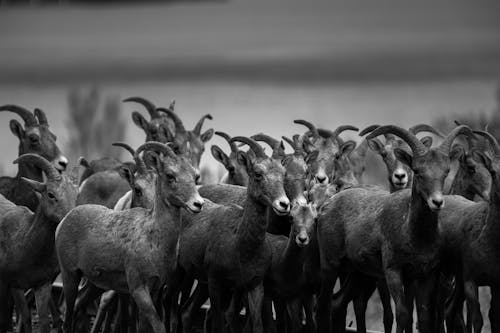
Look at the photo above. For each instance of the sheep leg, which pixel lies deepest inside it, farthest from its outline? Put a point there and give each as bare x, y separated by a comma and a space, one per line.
43, 296
193, 304
104, 303
324, 306
294, 308
217, 296
425, 301
494, 312
255, 300
279, 307
267, 315
233, 312
385, 299
471, 294
454, 309
5, 308
307, 302
22, 309
360, 302
409, 290
147, 311
70, 287
56, 314
396, 289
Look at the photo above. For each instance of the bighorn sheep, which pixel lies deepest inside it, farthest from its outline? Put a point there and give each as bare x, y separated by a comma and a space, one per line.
327, 145
34, 138
129, 251
159, 128
225, 245
27, 254
236, 173
192, 142
388, 234
98, 165
471, 236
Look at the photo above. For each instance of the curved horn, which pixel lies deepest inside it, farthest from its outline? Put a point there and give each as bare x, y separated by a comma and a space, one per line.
199, 124
226, 136
141, 166
156, 146
42, 118
290, 142
272, 142
369, 129
343, 128
179, 126
445, 146
424, 128
47, 167
416, 146
150, 107
309, 125
256, 148
28, 117
493, 143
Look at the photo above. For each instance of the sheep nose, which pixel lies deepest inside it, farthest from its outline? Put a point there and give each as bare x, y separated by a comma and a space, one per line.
400, 176
284, 204
302, 238
321, 179
438, 202
198, 204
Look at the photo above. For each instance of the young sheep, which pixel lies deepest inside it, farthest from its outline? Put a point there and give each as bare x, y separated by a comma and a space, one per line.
34, 138
129, 251
27, 254
388, 234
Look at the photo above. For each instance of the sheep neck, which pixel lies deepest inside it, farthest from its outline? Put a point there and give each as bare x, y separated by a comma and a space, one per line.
291, 262
492, 228
165, 219
422, 221
252, 229
40, 236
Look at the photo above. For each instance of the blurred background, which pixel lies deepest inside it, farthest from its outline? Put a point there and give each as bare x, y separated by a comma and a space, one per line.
255, 65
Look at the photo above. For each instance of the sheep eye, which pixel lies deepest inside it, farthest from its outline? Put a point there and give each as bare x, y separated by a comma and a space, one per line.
137, 191
51, 195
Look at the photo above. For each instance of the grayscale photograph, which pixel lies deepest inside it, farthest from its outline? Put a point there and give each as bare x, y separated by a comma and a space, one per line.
249, 166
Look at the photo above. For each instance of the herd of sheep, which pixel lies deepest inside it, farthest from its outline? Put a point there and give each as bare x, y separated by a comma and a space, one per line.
151, 245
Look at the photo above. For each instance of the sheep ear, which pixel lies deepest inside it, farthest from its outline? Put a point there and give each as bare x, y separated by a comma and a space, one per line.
126, 173
245, 160
219, 155
347, 147
35, 185
484, 159
207, 135
427, 141
457, 152
83, 162
376, 146
140, 121
403, 156
312, 156
16, 128
152, 160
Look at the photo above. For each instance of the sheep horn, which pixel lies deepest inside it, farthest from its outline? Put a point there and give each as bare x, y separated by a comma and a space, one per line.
150, 107
39, 161
297, 139
199, 124
28, 117
343, 128
256, 148
493, 143
309, 125
179, 126
290, 142
156, 146
226, 136
141, 166
424, 128
416, 146
42, 118
368, 130
445, 146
